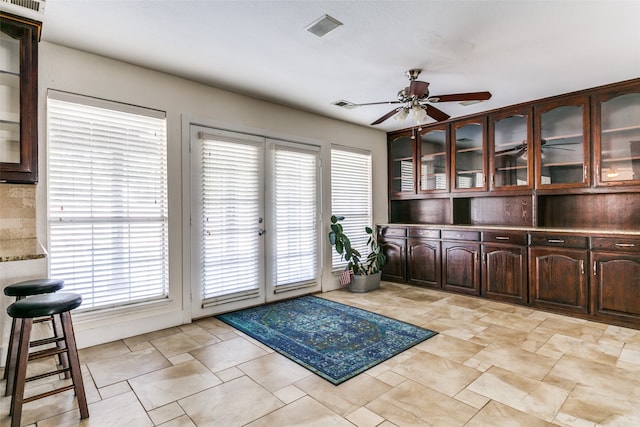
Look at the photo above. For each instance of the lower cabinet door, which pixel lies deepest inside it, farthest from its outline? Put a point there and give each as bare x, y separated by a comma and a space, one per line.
461, 267
395, 266
557, 279
504, 273
615, 286
423, 262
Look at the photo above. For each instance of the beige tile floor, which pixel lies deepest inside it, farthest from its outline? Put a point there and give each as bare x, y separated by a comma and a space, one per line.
492, 364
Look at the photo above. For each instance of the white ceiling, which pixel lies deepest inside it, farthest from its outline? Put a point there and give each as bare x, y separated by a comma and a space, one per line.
517, 50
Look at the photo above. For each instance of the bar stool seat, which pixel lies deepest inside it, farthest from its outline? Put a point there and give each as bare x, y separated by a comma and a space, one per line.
24, 311
22, 290
33, 287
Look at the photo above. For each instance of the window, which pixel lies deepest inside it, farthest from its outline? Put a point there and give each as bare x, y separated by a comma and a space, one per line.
295, 215
107, 166
351, 197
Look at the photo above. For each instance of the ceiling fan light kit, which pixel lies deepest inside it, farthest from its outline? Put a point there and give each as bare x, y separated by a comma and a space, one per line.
417, 100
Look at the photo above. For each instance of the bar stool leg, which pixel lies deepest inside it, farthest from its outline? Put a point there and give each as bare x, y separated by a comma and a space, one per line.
74, 363
12, 355
19, 378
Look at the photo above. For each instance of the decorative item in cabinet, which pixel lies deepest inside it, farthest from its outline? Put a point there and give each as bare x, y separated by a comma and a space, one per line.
468, 142
402, 152
617, 137
461, 261
615, 279
562, 143
558, 275
434, 159
504, 266
18, 99
510, 142
423, 257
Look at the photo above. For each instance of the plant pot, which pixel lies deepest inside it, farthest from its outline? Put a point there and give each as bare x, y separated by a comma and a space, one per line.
361, 283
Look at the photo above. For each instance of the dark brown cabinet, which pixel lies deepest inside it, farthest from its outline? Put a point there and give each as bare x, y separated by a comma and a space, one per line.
616, 118
393, 241
402, 164
504, 266
562, 143
423, 258
468, 159
461, 261
553, 188
433, 164
558, 279
615, 279
19, 99
510, 146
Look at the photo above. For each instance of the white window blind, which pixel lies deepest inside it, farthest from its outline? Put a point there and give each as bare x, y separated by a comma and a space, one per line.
351, 197
107, 175
231, 190
295, 215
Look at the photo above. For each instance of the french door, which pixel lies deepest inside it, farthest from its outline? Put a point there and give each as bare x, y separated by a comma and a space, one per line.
254, 220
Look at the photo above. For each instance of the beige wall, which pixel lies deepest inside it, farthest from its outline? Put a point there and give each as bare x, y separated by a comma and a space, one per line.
184, 101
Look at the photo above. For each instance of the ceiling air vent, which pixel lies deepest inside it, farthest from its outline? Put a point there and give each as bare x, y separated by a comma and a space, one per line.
34, 5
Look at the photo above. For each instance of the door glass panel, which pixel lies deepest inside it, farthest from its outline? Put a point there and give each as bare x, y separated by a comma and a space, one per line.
620, 139
562, 156
469, 158
402, 165
230, 218
9, 99
511, 151
433, 160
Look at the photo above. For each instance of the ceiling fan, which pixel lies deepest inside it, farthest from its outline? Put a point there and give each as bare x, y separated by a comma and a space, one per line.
520, 150
416, 98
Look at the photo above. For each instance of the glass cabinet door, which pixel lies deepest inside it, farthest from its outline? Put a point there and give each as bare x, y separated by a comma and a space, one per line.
433, 157
562, 145
9, 99
510, 143
18, 99
467, 141
617, 144
402, 163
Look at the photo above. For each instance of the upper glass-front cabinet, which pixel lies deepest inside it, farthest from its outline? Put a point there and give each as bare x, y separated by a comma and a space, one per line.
467, 142
562, 143
433, 164
402, 163
18, 99
617, 138
510, 144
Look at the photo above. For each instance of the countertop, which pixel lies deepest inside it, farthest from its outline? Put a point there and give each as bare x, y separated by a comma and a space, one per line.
577, 231
21, 250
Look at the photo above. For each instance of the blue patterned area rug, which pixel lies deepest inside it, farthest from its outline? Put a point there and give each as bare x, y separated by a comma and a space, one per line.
333, 340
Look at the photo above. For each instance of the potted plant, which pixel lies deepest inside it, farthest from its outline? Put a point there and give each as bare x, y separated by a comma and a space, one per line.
366, 273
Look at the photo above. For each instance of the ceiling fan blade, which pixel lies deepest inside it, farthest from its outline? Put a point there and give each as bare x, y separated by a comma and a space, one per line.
554, 147
437, 114
378, 103
386, 116
418, 88
470, 96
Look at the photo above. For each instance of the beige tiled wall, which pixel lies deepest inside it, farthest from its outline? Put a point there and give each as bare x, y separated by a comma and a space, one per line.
17, 211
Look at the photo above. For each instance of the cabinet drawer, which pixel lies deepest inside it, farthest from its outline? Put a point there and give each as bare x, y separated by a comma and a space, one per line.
616, 244
558, 240
511, 237
424, 232
393, 231
460, 235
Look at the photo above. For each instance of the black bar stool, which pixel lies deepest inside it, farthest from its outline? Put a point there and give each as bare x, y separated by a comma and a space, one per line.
22, 290
24, 311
